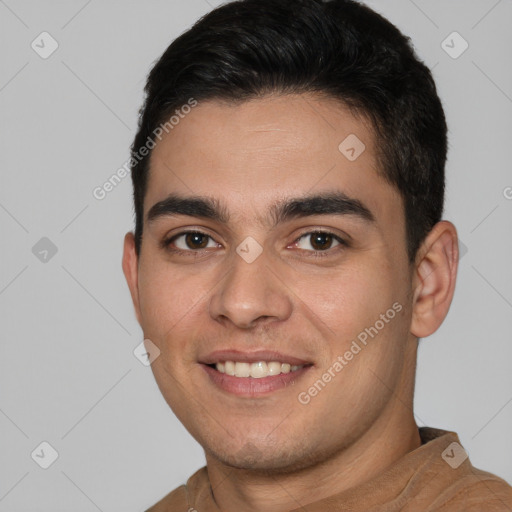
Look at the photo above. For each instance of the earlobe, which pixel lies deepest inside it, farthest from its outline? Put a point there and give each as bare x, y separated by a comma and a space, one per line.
434, 281
131, 271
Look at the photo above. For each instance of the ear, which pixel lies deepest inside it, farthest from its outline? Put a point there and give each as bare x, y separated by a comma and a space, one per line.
131, 271
434, 279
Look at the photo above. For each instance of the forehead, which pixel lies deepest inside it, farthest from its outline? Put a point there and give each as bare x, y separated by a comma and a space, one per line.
250, 154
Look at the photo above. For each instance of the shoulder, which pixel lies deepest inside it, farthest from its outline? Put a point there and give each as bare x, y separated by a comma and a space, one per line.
473, 490
476, 488
175, 500
179, 499
446, 481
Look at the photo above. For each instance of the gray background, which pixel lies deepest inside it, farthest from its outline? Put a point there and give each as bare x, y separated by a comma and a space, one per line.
68, 374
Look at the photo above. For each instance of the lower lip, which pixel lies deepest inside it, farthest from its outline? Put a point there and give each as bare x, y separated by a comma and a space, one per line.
251, 387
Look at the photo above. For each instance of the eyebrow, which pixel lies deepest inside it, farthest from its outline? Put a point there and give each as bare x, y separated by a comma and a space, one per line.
283, 210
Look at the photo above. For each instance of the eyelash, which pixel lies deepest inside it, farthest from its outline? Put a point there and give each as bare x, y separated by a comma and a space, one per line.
197, 253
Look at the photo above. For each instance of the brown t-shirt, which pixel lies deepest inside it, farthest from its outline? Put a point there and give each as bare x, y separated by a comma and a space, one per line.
437, 476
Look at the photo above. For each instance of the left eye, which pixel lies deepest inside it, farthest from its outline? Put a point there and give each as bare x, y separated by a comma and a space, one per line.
319, 241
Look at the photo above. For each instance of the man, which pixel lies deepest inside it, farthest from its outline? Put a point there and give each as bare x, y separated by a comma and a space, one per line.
288, 255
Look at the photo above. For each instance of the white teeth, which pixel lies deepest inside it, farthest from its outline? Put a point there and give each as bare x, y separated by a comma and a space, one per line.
229, 367
259, 370
274, 368
256, 370
242, 370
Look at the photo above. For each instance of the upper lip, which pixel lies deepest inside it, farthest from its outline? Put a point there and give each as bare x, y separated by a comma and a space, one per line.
251, 357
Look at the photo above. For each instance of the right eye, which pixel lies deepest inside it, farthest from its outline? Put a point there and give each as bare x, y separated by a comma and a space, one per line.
189, 241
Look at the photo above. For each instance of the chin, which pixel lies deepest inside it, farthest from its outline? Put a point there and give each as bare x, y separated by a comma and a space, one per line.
267, 460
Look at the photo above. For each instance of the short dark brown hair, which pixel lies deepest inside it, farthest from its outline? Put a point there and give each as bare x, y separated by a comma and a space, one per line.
340, 48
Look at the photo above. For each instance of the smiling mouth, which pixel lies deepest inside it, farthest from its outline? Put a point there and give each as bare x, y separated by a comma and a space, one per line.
256, 370
254, 379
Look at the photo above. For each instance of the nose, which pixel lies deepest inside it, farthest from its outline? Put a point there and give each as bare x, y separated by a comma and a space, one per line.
251, 293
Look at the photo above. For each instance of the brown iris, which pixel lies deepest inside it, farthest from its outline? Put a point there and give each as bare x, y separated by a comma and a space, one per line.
321, 241
193, 240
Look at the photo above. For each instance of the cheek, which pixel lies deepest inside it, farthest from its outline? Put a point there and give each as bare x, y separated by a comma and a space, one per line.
174, 307
164, 299
363, 369
348, 301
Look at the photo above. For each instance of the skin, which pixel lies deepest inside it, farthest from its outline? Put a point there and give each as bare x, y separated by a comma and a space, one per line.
271, 452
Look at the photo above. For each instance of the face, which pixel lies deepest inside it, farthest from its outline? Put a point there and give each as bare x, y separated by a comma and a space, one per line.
289, 269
